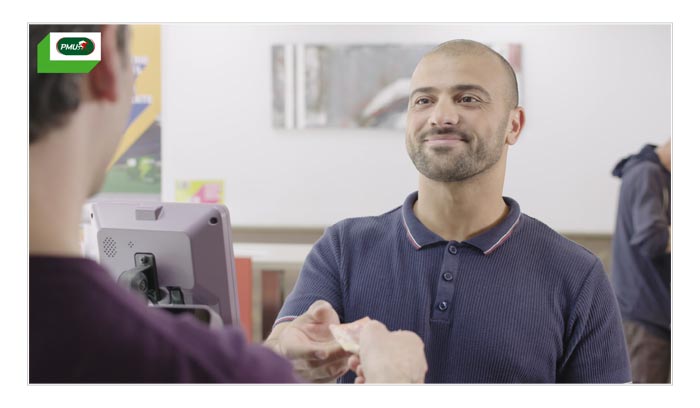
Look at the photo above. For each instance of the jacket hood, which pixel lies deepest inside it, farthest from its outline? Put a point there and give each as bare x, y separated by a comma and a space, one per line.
646, 154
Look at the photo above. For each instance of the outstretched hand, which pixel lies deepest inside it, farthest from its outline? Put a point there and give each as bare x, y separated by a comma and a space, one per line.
307, 341
389, 357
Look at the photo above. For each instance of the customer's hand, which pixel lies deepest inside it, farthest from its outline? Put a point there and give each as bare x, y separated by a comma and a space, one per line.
389, 357
307, 341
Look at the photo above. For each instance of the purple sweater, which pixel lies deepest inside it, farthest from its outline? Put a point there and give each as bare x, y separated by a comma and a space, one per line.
84, 328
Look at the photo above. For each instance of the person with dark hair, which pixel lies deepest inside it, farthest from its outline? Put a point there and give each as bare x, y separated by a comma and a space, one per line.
496, 295
641, 261
82, 326
53, 96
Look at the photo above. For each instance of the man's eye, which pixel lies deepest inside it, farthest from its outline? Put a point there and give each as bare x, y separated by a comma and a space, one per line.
468, 99
422, 101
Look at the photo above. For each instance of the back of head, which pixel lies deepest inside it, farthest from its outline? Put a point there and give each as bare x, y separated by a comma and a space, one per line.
461, 47
664, 153
52, 97
667, 144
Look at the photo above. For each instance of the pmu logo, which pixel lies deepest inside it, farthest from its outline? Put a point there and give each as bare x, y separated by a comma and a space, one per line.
75, 46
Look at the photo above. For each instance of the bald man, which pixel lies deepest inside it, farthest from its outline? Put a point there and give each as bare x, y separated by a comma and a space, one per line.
495, 295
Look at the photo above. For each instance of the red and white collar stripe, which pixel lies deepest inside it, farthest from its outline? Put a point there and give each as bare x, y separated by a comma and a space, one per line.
503, 238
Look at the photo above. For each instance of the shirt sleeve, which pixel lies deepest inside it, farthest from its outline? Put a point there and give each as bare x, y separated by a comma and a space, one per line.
594, 347
645, 190
318, 279
223, 355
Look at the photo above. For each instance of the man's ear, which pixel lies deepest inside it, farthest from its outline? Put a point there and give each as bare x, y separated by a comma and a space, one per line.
516, 121
103, 78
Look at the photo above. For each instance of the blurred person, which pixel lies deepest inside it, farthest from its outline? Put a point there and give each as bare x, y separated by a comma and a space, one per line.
641, 264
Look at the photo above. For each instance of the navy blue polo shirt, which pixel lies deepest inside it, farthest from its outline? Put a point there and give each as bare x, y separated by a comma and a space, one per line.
517, 303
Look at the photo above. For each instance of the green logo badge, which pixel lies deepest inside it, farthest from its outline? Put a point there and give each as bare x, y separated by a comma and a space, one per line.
68, 53
75, 46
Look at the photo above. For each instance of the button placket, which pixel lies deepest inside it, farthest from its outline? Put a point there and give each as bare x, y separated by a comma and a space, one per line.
445, 288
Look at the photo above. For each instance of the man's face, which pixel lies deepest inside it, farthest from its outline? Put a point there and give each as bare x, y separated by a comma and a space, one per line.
457, 116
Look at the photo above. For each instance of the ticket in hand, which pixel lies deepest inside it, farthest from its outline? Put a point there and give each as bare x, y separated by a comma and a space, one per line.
348, 334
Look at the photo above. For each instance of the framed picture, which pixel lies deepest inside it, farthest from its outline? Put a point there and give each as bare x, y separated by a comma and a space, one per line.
350, 86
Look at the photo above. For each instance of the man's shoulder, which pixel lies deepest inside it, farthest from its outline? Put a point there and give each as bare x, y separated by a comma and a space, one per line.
368, 227
114, 323
50, 275
643, 178
87, 285
642, 171
554, 247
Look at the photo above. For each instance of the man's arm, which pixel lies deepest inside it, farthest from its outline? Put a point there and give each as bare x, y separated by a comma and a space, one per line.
308, 343
594, 346
645, 192
302, 332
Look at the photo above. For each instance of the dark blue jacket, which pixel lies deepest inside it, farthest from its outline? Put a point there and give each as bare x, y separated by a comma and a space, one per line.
641, 268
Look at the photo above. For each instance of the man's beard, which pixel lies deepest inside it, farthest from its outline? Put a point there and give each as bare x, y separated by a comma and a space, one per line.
446, 165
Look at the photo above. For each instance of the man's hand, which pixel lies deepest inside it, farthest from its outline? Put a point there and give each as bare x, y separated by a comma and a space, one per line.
307, 341
389, 357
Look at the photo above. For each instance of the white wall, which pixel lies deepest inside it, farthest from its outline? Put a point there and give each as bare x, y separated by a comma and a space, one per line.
592, 94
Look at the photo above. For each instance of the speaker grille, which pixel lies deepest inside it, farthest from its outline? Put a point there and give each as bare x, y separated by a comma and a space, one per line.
109, 246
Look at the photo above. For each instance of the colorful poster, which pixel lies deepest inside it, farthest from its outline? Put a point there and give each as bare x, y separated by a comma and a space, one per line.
200, 191
136, 166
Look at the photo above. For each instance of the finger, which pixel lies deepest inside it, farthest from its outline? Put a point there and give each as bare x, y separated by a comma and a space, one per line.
330, 350
306, 316
354, 362
360, 379
300, 367
328, 372
344, 356
333, 353
322, 312
320, 373
310, 350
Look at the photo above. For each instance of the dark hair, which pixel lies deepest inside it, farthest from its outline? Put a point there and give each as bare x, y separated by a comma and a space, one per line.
53, 96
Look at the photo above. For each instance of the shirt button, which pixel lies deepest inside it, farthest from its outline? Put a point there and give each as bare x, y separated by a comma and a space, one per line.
442, 306
447, 276
452, 249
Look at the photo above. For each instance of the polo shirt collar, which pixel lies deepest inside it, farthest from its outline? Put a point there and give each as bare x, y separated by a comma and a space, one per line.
488, 241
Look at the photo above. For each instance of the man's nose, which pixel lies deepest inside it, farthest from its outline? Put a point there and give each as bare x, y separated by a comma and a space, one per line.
444, 114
